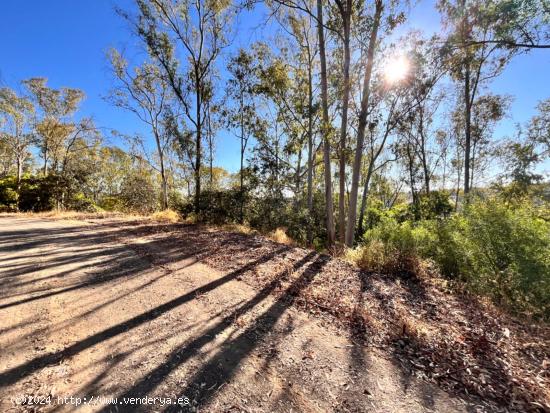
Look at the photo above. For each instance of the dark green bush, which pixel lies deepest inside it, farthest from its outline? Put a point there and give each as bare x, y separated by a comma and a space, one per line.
434, 205
8, 193
138, 194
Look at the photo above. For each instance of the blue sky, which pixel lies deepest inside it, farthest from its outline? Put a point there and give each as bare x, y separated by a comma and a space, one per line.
66, 40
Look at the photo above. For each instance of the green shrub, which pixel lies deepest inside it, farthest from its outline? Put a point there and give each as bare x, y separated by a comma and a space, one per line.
80, 203
398, 244
138, 194
40, 193
8, 194
434, 205
494, 248
502, 251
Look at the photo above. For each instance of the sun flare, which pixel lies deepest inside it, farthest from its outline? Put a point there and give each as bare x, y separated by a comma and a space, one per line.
397, 69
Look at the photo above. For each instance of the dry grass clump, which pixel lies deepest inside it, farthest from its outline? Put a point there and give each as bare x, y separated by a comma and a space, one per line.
166, 216
238, 228
280, 236
376, 256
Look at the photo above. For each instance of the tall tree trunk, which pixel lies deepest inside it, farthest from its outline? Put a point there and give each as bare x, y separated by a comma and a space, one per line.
364, 197
45, 167
164, 183
162, 170
352, 210
210, 148
426, 171
472, 165
410, 158
468, 129
346, 17
310, 156
241, 176
18, 182
458, 174
198, 144
297, 178
325, 127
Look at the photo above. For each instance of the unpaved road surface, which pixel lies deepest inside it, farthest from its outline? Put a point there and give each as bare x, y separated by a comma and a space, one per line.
89, 310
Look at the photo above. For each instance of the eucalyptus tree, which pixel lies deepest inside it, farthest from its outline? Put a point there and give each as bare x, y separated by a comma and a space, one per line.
325, 127
362, 120
424, 97
345, 8
474, 64
143, 91
518, 24
54, 126
529, 147
185, 38
16, 114
385, 116
487, 111
242, 114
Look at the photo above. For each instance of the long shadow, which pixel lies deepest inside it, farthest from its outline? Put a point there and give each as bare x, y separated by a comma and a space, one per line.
129, 267
97, 307
223, 366
17, 373
59, 261
181, 355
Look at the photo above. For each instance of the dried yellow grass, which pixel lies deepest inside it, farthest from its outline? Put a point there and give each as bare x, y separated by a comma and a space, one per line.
240, 228
166, 216
280, 236
376, 257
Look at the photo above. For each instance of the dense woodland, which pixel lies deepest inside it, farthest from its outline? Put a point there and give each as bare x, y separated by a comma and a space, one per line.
351, 137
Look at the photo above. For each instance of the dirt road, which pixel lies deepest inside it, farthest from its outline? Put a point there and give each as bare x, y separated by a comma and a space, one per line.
92, 311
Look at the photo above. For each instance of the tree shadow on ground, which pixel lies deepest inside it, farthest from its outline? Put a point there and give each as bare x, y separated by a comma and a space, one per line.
237, 348
123, 269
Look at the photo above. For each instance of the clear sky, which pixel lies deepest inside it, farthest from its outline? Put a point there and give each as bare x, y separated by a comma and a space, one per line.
66, 40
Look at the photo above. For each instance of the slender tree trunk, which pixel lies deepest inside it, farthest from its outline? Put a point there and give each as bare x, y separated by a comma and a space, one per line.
325, 127
352, 210
241, 176
210, 148
162, 170
411, 172
18, 182
310, 156
298, 175
472, 165
45, 167
458, 175
164, 184
426, 172
365, 196
198, 145
468, 130
346, 17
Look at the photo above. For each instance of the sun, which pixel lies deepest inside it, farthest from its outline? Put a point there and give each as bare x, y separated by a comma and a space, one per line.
396, 69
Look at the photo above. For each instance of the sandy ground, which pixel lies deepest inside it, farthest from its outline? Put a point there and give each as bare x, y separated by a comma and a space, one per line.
87, 311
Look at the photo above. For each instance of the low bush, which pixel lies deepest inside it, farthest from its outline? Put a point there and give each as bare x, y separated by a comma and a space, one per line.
168, 215
8, 193
493, 248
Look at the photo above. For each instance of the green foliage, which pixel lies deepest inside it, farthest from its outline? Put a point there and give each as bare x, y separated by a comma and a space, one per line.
8, 193
38, 194
111, 203
502, 251
434, 205
138, 194
497, 249
81, 203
